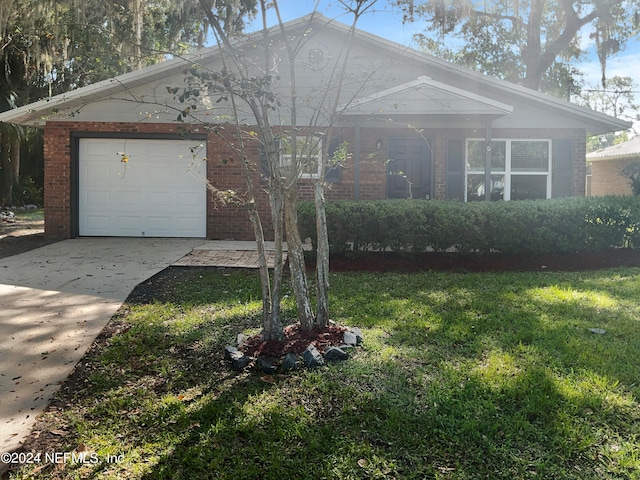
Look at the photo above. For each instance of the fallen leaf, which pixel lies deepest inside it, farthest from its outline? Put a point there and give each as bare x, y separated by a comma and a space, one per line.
60, 433
268, 379
363, 462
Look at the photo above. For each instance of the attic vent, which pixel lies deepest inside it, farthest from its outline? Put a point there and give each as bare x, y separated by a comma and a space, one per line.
316, 56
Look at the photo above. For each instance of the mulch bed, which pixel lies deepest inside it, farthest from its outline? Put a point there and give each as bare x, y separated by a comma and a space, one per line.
295, 341
459, 262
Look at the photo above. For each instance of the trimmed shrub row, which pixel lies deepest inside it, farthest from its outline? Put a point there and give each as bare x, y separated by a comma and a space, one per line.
517, 227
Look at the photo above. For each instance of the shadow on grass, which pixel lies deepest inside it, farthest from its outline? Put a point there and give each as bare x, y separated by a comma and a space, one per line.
384, 429
459, 317
461, 376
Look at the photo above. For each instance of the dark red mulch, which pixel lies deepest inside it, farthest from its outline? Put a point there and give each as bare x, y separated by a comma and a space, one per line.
460, 262
295, 341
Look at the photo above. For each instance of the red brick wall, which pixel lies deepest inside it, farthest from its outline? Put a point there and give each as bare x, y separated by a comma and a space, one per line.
223, 222
606, 178
374, 176
57, 181
225, 171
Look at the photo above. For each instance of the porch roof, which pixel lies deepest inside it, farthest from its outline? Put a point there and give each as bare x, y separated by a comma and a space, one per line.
425, 96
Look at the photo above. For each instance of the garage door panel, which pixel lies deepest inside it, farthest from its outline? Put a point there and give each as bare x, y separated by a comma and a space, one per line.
100, 148
130, 223
124, 199
159, 222
186, 199
188, 224
96, 173
166, 177
154, 194
167, 199
96, 199
159, 150
98, 222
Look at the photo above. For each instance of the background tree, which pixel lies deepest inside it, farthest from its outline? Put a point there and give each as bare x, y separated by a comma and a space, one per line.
616, 99
49, 47
531, 42
632, 173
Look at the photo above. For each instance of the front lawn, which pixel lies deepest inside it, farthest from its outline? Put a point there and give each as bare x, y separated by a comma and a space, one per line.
462, 376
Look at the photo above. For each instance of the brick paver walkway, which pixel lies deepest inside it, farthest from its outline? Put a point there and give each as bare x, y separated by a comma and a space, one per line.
224, 258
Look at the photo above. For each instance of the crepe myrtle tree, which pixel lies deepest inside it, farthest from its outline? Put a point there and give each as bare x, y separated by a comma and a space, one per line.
248, 84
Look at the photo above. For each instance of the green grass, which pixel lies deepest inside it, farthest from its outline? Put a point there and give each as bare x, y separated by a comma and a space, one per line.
30, 215
462, 376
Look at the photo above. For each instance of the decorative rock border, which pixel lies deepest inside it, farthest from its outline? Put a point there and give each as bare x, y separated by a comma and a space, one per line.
310, 358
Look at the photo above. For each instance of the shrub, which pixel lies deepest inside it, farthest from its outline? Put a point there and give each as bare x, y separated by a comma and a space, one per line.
27, 192
519, 227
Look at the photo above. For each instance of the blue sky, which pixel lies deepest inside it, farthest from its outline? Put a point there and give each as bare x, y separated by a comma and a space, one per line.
387, 23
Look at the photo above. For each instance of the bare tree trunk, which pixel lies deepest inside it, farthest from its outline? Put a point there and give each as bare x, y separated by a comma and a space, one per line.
322, 262
137, 13
296, 261
275, 325
15, 160
264, 269
6, 172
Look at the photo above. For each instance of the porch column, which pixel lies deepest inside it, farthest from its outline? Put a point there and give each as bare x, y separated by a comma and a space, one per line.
487, 159
356, 163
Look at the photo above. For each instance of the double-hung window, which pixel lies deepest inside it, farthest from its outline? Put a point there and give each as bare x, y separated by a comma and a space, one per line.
308, 153
520, 169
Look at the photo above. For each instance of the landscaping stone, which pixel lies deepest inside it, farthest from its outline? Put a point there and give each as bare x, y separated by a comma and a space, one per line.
335, 353
228, 350
290, 362
239, 360
8, 217
266, 366
268, 357
350, 338
358, 333
312, 357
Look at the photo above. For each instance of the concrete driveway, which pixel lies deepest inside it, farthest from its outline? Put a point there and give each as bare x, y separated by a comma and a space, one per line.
54, 301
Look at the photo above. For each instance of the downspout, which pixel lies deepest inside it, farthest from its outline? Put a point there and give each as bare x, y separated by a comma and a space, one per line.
487, 159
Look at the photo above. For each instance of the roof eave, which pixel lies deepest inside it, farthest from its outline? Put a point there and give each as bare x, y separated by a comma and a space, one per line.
602, 158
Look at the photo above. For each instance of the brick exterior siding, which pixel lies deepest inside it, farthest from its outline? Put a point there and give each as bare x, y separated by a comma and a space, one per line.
606, 178
224, 169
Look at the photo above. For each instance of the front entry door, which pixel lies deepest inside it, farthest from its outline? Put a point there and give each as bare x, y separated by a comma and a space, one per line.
408, 169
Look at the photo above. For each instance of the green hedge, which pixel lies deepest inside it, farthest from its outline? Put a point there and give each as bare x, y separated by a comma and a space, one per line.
516, 227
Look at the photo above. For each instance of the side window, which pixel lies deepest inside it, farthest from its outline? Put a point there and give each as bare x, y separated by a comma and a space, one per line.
308, 153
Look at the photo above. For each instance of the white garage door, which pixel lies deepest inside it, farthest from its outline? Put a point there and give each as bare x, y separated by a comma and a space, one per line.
159, 192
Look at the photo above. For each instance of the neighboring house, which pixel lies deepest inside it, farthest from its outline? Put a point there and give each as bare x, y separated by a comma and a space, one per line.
408, 119
604, 167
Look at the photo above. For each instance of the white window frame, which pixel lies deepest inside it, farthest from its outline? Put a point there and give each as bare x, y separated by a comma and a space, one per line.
285, 158
508, 172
